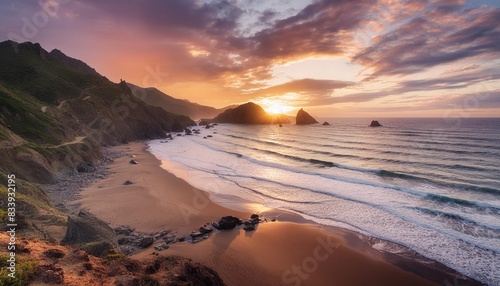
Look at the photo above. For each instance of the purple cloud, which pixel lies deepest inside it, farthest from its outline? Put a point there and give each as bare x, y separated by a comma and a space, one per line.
211, 42
444, 33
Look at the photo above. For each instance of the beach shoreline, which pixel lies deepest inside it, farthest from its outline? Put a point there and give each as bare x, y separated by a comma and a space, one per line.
290, 251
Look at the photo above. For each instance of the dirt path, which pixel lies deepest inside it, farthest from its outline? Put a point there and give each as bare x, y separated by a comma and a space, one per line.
77, 140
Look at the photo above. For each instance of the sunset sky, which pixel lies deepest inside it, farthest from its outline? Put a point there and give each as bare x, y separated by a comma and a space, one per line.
343, 58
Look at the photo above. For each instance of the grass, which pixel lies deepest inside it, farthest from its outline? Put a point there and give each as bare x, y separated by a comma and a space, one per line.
113, 256
3, 213
25, 269
27, 120
31, 202
40, 77
3, 136
29, 82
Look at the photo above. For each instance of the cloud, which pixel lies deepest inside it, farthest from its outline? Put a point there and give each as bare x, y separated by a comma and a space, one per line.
171, 16
310, 92
322, 28
306, 85
436, 33
169, 27
232, 46
453, 81
444, 33
173, 31
448, 81
464, 103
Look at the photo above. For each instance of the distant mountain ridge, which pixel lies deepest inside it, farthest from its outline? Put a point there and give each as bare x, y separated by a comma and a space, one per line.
74, 63
155, 97
249, 113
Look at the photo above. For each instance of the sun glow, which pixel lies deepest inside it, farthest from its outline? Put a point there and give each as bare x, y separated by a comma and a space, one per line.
276, 108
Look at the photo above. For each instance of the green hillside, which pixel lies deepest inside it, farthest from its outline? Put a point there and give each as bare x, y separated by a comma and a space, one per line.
55, 113
49, 100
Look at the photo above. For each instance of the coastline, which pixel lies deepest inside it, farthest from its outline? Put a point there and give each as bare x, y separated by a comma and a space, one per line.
290, 251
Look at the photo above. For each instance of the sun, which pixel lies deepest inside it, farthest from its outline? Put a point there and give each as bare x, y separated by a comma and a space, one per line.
276, 108
275, 105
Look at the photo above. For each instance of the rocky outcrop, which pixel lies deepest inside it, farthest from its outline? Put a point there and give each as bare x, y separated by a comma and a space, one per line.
375, 123
73, 266
303, 118
249, 113
91, 234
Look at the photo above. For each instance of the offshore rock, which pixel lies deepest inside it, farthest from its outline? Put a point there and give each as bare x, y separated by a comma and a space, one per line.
303, 118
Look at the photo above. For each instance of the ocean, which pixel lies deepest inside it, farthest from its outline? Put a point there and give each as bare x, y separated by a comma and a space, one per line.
432, 185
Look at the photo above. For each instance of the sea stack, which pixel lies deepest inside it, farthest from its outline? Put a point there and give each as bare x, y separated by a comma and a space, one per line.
325, 123
375, 123
304, 118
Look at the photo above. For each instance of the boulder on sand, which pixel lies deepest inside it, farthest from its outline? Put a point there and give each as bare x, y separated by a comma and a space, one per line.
228, 222
146, 241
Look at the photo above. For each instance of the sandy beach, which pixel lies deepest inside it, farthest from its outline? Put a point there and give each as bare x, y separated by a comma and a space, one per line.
289, 251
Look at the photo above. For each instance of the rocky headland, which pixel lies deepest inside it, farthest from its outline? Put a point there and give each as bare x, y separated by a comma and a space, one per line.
57, 114
249, 113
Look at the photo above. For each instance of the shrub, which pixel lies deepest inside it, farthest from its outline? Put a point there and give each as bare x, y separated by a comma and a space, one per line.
25, 269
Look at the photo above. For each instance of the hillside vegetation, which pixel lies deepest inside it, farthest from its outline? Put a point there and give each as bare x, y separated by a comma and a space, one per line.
55, 113
49, 100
